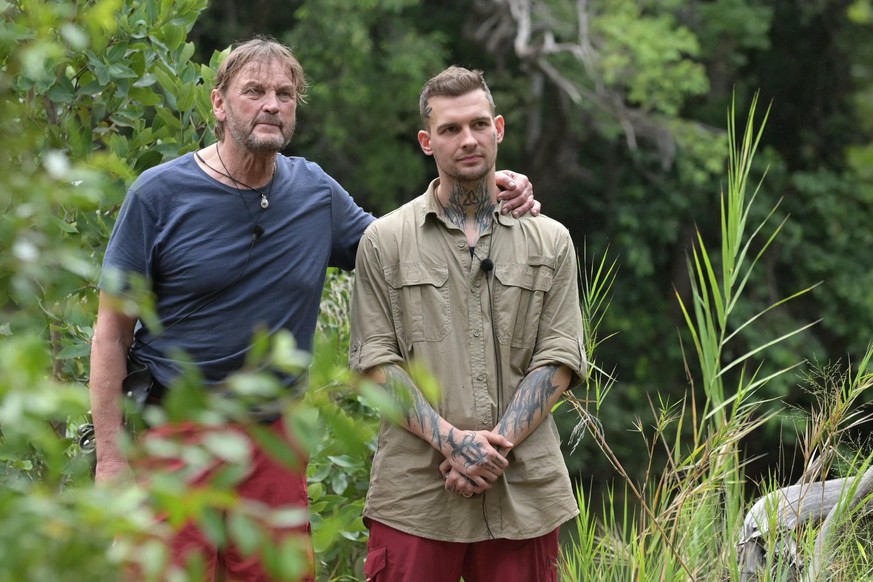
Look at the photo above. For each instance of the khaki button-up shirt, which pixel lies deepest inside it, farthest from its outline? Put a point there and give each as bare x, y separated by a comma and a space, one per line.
420, 295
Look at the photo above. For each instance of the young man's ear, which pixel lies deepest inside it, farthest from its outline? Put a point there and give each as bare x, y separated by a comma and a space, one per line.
499, 125
424, 142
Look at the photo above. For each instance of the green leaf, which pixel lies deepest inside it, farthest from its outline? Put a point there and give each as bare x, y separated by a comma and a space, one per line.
121, 71
343, 461
103, 73
186, 52
244, 533
169, 119
64, 225
320, 473
276, 446
62, 91
146, 80
124, 118
74, 351
339, 481
145, 97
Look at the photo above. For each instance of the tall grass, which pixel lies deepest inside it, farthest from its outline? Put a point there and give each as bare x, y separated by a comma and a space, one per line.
686, 521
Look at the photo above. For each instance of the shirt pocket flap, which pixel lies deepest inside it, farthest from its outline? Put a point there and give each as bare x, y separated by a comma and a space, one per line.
537, 275
409, 274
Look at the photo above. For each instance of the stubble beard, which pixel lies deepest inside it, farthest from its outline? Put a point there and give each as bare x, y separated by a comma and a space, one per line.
477, 174
260, 144
473, 175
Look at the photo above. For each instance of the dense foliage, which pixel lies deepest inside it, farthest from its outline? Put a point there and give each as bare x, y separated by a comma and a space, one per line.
616, 111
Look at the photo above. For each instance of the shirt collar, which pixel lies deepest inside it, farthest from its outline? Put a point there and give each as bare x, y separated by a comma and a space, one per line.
431, 206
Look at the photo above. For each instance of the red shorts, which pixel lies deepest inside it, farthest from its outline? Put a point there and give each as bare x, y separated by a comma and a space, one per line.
267, 482
394, 556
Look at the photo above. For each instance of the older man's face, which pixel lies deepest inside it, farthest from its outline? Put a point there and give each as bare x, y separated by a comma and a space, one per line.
259, 109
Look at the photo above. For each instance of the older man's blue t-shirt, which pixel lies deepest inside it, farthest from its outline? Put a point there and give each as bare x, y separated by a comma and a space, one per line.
222, 267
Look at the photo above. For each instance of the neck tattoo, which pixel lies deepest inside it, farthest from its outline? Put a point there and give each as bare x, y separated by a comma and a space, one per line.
461, 200
265, 200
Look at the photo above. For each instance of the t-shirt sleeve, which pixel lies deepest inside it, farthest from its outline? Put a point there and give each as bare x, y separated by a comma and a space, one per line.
348, 223
130, 250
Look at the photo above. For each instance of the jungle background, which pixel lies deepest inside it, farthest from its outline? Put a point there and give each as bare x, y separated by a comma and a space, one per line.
616, 110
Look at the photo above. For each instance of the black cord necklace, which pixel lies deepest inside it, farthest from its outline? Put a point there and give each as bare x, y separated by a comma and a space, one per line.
265, 200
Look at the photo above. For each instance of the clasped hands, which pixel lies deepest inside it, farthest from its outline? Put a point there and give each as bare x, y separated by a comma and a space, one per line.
475, 463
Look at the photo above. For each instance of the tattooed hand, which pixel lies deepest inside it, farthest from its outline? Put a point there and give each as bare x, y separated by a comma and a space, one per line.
455, 482
475, 459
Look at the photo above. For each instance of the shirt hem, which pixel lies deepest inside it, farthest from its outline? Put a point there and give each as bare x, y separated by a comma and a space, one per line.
405, 528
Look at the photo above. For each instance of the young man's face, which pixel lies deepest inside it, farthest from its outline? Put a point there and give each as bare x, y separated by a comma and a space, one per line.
259, 108
463, 136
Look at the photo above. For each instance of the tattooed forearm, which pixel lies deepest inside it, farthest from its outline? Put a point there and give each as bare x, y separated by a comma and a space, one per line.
418, 414
531, 403
471, 453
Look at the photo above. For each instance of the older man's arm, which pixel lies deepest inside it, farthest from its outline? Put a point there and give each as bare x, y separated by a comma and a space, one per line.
113, 335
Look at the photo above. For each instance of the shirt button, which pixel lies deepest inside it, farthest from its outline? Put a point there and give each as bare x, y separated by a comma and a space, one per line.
461, 244
481, 376
476, 333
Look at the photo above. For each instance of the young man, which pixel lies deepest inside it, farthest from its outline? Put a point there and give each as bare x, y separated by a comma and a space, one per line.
232, 238
473, 485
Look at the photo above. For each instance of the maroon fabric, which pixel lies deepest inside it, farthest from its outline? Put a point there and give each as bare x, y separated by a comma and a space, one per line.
268, 481
394, 556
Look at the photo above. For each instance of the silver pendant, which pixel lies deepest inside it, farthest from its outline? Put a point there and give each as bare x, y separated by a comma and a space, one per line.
264, 202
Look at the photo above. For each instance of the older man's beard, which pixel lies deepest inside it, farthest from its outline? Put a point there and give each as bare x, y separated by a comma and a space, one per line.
261, 144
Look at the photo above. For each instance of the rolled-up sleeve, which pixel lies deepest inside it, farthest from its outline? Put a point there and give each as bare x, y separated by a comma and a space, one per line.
373, 339
560, 332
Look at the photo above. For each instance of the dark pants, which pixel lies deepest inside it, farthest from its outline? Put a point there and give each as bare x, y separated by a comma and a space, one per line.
395, 556
267, 483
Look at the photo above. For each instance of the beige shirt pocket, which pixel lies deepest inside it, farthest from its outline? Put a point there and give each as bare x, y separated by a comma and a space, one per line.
519, 291
419, 301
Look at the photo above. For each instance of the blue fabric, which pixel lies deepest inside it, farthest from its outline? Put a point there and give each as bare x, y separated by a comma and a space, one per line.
191, 236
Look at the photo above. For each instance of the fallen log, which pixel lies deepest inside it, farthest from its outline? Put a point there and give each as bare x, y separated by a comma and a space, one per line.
785, 511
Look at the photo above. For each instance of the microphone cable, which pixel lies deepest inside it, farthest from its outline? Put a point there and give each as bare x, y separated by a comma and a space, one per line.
487, 266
